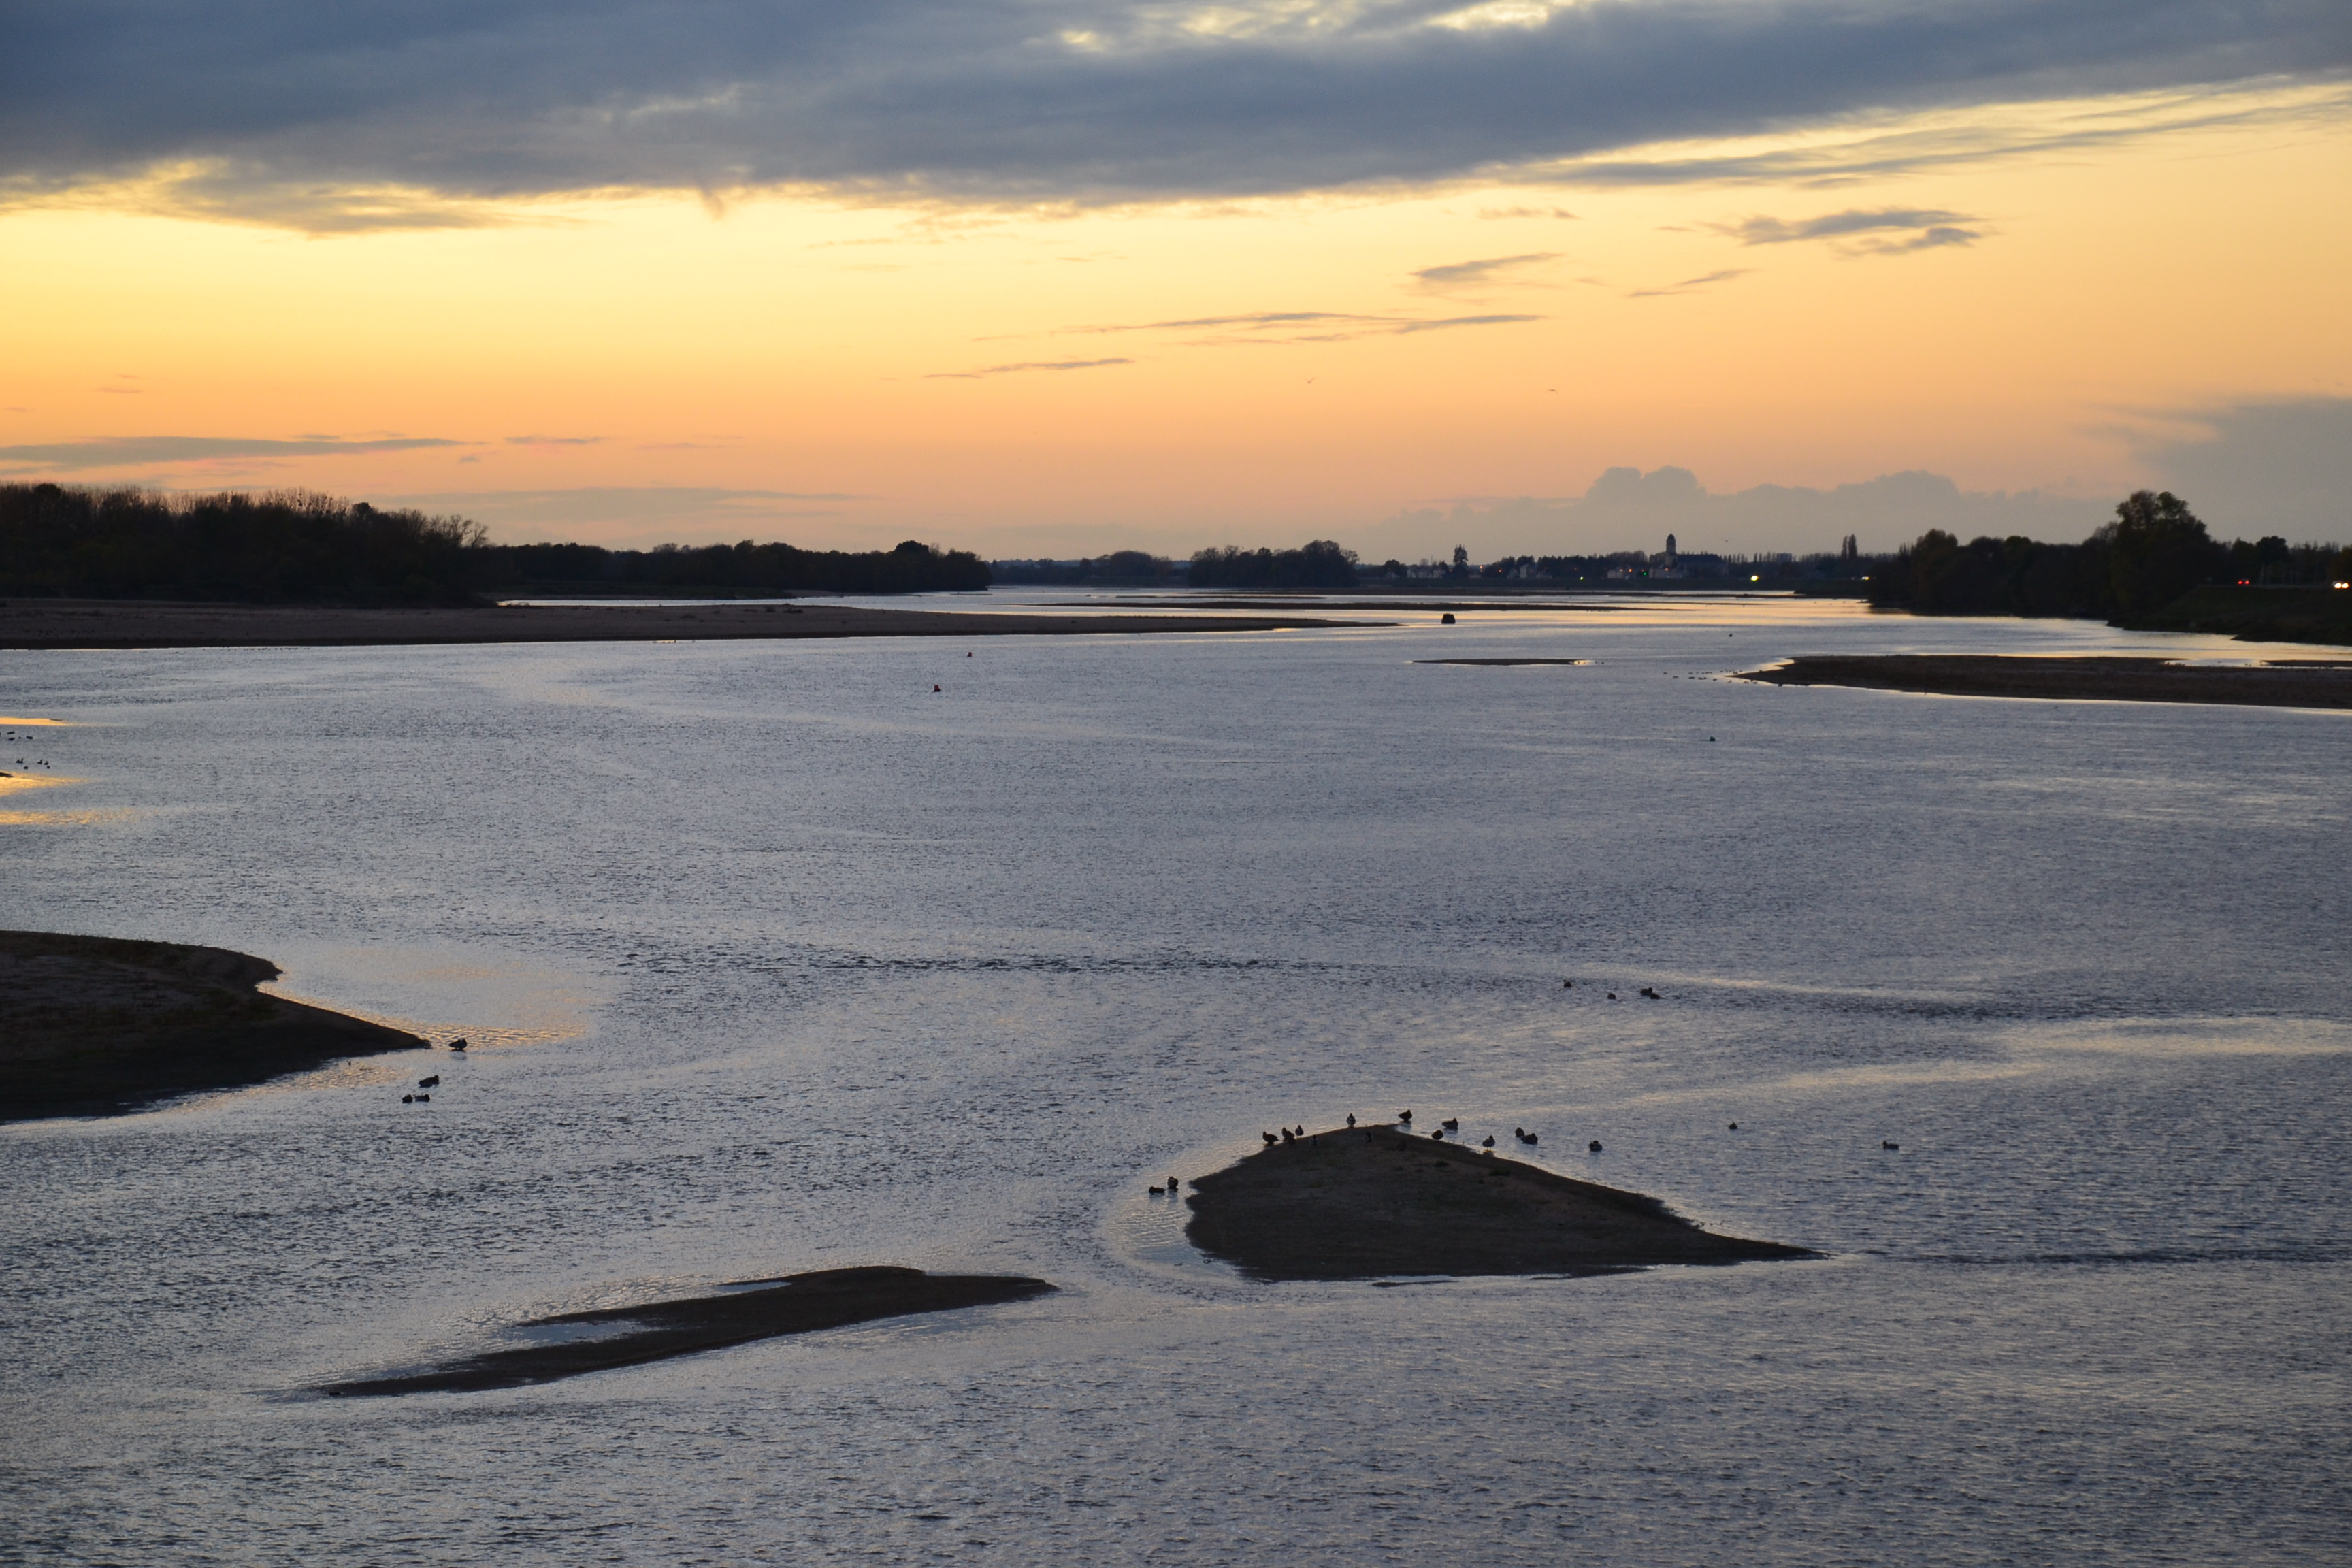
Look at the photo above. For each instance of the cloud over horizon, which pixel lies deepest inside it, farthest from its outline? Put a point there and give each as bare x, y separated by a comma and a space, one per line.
147, 451
378, 114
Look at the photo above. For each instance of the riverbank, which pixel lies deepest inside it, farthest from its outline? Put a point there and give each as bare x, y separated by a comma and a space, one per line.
135, 624
754, 1309
1371, 1202
2303, 683
96, 1025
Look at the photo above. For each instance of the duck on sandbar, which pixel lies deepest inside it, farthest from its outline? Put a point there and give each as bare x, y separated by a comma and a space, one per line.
1405, 1117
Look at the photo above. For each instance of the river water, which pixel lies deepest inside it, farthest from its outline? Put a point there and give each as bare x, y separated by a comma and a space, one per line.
774, 958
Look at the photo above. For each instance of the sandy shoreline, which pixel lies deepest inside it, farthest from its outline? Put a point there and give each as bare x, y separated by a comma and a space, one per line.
96, 1025
30, 623
1363, 1202
2303, 683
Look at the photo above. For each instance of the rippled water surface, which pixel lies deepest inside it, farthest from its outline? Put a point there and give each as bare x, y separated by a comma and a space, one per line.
775, 959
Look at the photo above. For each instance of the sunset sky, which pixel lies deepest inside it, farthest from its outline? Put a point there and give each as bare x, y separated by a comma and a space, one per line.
1069, 276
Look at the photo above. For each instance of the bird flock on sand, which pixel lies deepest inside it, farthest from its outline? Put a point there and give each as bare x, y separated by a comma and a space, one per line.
1452, 1126
432, 1080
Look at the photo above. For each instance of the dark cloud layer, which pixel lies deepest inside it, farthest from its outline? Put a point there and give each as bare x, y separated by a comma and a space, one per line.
323, 117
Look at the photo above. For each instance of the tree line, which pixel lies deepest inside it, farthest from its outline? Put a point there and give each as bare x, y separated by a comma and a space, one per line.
2155, 550
287, 546
1319, 564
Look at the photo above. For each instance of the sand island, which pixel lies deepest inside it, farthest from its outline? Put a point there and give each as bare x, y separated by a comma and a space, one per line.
93, 1025
753, 1310
1364, 1203
2281, 683
128, 624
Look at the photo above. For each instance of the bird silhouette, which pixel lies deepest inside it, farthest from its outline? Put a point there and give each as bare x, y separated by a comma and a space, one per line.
458, 1044
1405, 1116
1451, 1124
1489, 1144
1351, 1119
433, 1082
1884, 1143
1594, 1146
1270, 1138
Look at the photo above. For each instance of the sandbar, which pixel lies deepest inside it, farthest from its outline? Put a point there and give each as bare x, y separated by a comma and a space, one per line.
2285, 684
93, 1025
1370, 1203
134, 623
755, 1309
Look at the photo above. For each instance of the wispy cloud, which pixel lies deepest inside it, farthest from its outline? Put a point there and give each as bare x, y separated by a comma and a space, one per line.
1879, 145
1447, 323
1501, 213
1475, 274
146, 451
1689, 284
1923, 229
554, 441
1025, 366
1284, 327
379, 116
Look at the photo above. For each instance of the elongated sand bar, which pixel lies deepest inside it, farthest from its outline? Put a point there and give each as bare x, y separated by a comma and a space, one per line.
758, 1310
2303, 683
123, 624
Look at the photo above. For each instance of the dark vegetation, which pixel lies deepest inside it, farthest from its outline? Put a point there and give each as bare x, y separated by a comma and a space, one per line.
1126, 567
796, 1304
283, 546
746, 568
2135, 571
296, 547
1321, 565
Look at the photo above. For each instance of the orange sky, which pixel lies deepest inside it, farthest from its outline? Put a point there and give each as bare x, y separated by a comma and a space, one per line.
799, 366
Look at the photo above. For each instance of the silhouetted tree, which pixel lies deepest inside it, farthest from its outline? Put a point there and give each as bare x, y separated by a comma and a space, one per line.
2158, 551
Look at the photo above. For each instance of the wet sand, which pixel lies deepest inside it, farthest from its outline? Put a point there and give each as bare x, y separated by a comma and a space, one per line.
795, 1304
2304, 683
1376, 1202
94, 1027
127, 623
